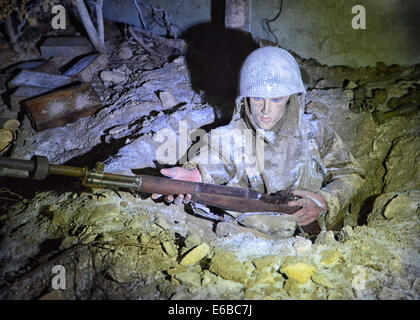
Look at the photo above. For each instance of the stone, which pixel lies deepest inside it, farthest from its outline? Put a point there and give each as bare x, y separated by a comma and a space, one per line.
325, 237
53, 295
302, 245
396, 267
278, 226
167, 99
346, 233
196, 254
265, 277
192, 240
227, 266
300, 271
331, 257
6, 138
68, 47
403, 154
416, 286
336, 296
292, 287
177, 269
390, 294
351, 85
59, 218
104, 212
170, 248
91, 70
63, 106
391, 205
321, 280
113, 76
125, 53
267, 262
39, 80
189, 278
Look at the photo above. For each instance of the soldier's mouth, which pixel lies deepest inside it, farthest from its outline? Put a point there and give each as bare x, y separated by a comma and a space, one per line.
265, 120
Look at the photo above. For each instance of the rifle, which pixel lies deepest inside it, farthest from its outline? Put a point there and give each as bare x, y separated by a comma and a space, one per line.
223, 197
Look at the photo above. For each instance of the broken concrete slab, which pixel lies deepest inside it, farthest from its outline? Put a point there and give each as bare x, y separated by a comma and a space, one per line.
64, 106
69, 47
39, 79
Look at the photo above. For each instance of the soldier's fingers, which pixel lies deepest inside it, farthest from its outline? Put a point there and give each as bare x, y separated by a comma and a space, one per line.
156, 196
300, 213
178, 200
299, 202
187, 198
169, 198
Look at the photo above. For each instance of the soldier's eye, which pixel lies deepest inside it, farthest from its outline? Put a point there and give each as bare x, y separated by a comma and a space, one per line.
258, 98
276, 100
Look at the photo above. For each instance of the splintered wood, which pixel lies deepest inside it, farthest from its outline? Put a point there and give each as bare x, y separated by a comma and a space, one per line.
64, 106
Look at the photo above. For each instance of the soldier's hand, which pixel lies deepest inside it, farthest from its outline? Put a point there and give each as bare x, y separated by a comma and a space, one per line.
313, 205
179, 173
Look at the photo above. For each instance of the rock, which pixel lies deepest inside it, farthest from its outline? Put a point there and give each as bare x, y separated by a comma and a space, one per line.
380, 95
125, 53
390, 294
6, 138
392, 204
396, 267
292, 287
170, 248
189, 278
302, 245
160, 222
53, 295
330, 257
267, 262
346, 233
404, 154
351, 85
227, 266
93, 69
177, 269
196, 254
68, 47
39, 79
104, 212
300, 271
321, 280
113, 76
167, 99
265, 277
336, 296
325, 237
416, 286
192, 241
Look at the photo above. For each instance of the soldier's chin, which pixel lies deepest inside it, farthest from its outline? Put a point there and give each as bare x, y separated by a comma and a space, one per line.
266, 125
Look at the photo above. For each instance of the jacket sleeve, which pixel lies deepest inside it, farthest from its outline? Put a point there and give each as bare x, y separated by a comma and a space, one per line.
343, 176
215, 166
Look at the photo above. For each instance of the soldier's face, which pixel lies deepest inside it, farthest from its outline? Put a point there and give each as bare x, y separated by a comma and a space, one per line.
267, 111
